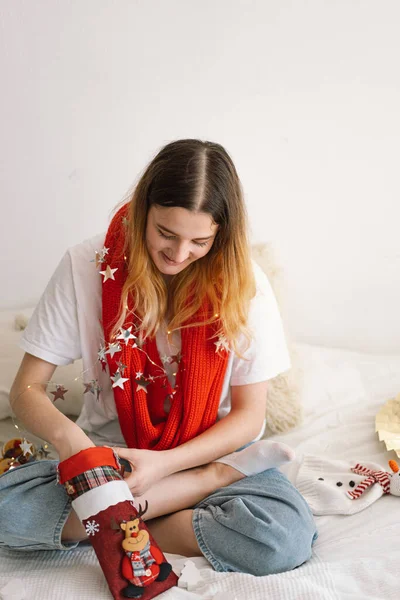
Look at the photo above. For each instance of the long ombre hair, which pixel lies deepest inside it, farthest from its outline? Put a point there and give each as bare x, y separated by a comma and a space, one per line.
201, 177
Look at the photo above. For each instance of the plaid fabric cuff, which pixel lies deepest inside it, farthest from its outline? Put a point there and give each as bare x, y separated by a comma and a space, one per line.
90, 479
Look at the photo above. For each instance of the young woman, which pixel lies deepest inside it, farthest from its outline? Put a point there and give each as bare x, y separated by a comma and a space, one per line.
179, 332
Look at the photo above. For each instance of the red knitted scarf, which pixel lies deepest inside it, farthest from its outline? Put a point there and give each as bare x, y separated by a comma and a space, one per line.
141, 399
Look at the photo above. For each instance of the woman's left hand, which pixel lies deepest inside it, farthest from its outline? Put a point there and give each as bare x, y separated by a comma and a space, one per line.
148, 467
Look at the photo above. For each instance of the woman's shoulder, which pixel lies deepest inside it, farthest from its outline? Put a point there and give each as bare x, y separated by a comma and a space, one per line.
78, 273
86, 250
82, 256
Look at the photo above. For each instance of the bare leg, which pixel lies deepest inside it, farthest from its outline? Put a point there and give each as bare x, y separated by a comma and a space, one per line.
174, 493
186, 488
183, 541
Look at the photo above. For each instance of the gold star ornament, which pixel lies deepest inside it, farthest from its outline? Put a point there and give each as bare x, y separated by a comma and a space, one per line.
108, 273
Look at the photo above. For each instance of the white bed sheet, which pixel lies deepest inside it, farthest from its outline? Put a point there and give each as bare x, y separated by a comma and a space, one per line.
355, 557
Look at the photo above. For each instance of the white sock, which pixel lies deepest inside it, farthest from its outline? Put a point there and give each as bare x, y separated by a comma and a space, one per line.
258, 457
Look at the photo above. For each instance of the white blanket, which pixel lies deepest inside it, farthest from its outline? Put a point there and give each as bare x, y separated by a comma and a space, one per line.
355, 557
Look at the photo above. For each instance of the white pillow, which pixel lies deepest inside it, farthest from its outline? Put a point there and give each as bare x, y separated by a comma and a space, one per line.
11, 356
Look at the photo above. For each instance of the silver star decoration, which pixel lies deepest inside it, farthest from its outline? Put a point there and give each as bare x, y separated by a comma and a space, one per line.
98, 389
43, 453
93, 387
139, 375
126, 335
108, 273
99, 259
113, 348
88, 386
221, 343
99, 256
121, 366
26, 448
142, 384
119, 380
166, 360
102, 353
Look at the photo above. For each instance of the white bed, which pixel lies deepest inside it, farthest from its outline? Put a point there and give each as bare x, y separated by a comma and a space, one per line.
354, 557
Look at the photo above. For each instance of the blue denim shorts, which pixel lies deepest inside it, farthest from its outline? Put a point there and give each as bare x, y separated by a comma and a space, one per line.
259, 525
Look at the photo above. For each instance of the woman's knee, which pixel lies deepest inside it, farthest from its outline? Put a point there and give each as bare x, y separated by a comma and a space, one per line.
252, 536
33, 507
286, 551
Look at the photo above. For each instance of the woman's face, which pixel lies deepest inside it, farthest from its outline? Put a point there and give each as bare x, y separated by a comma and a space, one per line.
176, 237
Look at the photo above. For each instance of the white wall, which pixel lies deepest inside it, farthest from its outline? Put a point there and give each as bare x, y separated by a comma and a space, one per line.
304, 95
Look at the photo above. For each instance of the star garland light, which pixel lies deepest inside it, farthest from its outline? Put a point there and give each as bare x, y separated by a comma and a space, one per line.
118, 380
108, 273
93, 387
100, 256
222, 342
127, 337
59, 393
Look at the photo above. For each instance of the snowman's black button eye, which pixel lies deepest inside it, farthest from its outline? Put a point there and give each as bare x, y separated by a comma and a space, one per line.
339, 483
352, 483
320, 479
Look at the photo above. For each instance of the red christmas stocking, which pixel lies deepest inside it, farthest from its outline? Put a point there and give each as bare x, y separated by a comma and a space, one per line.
132, 563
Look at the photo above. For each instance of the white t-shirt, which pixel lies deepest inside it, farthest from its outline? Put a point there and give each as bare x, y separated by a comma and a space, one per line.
66, 326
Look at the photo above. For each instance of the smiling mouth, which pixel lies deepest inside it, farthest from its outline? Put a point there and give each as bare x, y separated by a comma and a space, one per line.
169, 261
135, 541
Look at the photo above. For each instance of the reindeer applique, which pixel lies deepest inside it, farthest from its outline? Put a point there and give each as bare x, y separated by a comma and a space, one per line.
143, 562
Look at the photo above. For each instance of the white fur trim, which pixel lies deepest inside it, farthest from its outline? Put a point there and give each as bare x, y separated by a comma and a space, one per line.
100, 498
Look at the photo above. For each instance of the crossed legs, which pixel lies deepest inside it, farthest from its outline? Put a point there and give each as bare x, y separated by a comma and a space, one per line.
169, 507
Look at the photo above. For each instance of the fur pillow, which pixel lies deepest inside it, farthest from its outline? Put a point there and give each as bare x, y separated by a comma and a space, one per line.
284, 408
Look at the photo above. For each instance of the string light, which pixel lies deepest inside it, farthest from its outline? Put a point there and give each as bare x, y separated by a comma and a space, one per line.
26, 452
99, 260
81, 377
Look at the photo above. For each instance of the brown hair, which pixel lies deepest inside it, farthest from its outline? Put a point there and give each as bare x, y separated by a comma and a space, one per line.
198, 176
